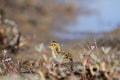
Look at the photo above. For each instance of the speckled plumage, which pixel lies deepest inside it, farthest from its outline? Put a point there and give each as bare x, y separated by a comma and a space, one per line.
59, 55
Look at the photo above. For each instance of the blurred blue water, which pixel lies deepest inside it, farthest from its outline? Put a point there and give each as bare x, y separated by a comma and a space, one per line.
103, 15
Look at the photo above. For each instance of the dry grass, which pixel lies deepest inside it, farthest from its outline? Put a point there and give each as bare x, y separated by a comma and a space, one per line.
90, 65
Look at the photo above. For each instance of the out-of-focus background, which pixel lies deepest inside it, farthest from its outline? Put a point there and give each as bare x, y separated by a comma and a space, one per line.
66, 21
63, 19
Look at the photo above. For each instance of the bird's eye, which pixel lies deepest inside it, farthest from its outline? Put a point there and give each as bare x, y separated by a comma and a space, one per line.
52, 44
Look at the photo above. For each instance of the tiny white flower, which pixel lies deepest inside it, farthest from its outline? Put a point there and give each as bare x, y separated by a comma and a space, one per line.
106, 50
92, 47
4, 52
39, 47
8, 59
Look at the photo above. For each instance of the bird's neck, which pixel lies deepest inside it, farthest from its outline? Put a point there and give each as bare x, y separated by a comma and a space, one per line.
55, 52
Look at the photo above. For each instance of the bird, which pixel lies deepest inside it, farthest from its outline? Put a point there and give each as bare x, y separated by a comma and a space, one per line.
59, 55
